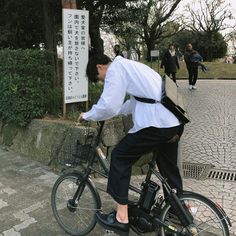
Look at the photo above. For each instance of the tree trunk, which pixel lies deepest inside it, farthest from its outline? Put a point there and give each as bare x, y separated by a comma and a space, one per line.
96, 40
150, 46
94, 30
69, 4
50, 36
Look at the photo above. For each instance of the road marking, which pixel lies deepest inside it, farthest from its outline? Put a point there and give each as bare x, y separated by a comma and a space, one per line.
3, 204
11, 232
8, 190
23, 216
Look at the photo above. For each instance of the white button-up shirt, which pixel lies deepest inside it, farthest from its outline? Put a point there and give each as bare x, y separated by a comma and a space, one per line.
136, 79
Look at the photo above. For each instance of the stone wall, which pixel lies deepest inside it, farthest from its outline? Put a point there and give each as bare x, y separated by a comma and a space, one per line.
39, 138
42, 137
47, 141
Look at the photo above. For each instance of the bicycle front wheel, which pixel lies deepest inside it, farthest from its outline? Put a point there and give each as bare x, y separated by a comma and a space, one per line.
75, 217
207, 218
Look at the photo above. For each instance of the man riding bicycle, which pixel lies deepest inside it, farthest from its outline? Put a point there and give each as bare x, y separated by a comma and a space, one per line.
154, 127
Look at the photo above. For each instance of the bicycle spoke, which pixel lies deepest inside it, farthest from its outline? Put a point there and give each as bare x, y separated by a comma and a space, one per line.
76, 218
207, 219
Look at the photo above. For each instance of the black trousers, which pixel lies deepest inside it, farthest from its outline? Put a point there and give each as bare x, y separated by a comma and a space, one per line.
131, 148
173, 75
192, 75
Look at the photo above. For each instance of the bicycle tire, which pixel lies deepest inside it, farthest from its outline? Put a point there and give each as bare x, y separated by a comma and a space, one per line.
207, 218
76, 219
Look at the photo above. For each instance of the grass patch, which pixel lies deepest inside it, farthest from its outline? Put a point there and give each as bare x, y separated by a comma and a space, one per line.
217, 70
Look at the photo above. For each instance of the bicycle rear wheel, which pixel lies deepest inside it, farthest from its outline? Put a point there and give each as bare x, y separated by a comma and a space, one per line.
75, 217
207, 218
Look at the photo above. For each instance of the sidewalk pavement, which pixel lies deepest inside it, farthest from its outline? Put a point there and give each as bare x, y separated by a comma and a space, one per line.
25, 185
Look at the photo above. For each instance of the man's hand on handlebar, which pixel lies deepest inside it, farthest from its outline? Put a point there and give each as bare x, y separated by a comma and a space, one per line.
80, 119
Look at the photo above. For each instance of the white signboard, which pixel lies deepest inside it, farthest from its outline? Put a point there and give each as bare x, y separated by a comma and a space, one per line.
75, 54
155, 53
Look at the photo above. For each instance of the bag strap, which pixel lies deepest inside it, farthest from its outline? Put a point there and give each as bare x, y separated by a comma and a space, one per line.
150, 100
146, 100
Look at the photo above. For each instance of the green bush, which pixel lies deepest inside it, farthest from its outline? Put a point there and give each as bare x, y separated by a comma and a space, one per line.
26, 85
95, 91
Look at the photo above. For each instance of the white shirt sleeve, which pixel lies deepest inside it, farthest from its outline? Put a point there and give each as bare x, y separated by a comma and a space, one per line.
112, 98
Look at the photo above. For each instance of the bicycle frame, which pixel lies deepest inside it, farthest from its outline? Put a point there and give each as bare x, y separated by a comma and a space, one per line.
104, 164
151, 171
147, 213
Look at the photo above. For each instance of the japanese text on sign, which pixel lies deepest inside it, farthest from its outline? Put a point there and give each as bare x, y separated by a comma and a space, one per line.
75, 54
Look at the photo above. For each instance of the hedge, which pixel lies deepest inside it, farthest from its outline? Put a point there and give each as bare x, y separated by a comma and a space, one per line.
26, 85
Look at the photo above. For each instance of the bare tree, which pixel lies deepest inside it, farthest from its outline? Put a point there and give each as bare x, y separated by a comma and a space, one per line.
231, 38
208, 16
208, 19
144, 21
158, 21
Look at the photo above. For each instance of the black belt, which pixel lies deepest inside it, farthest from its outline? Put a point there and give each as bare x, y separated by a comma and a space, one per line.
146, 100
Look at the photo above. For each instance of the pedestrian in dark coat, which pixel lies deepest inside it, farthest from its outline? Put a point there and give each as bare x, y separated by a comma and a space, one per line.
192, 65
170, 62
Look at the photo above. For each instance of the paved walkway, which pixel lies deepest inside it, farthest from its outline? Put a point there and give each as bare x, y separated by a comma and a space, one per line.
25, 185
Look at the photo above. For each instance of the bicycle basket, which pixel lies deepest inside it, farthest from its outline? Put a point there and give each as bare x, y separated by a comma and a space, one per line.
74, 154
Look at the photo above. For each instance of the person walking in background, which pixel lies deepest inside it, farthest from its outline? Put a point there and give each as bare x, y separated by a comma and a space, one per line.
117, 51
133, 54
192, 66
171, 62
195, 57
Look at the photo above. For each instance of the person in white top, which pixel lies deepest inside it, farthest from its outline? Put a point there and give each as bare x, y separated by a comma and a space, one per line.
154, 126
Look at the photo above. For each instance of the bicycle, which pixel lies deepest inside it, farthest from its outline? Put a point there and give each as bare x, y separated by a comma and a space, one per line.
75, 200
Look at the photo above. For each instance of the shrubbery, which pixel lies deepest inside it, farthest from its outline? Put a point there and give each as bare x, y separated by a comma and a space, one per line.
26, 86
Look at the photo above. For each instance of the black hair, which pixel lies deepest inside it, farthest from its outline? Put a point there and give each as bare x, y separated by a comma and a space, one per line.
92, 51
117, 46
91, 70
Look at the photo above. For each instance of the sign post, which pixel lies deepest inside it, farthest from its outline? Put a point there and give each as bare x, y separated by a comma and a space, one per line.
155, 53
75, 56
69, 4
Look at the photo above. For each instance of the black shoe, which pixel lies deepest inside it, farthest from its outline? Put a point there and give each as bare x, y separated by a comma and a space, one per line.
110, 222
